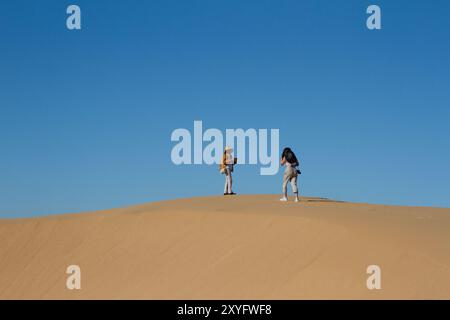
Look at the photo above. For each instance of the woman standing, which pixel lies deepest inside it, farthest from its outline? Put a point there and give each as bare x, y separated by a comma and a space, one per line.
227, 168
289, 160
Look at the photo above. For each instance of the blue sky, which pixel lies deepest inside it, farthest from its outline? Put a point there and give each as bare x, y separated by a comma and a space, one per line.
86, 116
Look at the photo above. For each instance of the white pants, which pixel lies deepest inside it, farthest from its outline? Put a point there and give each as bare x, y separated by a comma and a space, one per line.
228, 180
290, 175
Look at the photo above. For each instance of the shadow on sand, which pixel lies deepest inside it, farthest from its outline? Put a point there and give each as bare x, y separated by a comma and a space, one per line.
324, 200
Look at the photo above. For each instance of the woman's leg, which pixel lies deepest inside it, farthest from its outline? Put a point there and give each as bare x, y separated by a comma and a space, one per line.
286, 178
228, 181
294, 186
225, 190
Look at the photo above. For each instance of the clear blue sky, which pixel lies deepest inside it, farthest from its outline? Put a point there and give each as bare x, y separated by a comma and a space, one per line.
86, 116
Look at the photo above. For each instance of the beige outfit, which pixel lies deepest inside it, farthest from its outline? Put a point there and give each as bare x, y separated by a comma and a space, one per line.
229, 161
290, 175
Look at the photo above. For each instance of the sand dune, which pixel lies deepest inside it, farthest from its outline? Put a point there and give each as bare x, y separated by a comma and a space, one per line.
243, 247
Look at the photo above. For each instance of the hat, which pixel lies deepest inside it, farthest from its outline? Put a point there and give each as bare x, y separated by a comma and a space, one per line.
228, 148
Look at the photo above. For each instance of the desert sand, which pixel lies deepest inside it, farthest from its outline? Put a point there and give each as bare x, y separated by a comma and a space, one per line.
235, 247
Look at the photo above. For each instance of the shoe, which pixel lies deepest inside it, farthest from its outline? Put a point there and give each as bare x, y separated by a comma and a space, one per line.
225, 194
284, 199
297, 200
232, 194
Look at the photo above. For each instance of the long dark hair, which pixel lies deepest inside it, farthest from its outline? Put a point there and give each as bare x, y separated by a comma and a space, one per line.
289, 155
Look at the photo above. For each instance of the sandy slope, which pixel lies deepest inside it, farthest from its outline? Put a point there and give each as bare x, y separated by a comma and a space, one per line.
230, 247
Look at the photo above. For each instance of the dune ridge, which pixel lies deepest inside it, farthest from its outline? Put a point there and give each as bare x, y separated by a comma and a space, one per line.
240, 247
